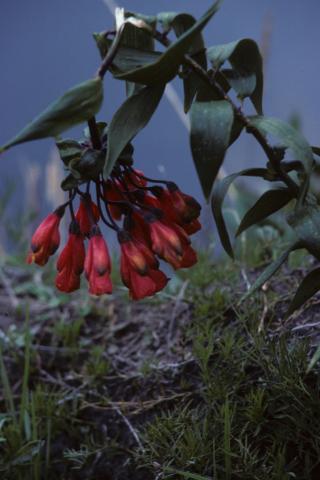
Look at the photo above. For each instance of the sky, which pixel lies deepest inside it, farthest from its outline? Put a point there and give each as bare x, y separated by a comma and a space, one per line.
47, 47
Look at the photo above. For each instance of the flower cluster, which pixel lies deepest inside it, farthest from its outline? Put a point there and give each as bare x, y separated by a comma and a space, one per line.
153, 220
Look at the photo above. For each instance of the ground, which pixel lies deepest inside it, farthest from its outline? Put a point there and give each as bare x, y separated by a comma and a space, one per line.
190, 384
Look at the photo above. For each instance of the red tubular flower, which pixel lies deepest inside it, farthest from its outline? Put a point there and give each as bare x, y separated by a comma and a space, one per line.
138, 228
112, 193
139, 268
46, 238
171, 243
87, 215
71, 261
192, 227
134, 179
178, 207
97, 264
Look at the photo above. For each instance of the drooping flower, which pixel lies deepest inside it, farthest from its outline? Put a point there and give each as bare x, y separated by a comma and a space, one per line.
192, 227
139, 268
87, 214
112, 193
171, 243
134, 179
46, 239
97, 264
177, 206
138, 227
71, 261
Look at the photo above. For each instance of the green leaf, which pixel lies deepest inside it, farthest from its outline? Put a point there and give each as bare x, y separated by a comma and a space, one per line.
306, 223
288, 136
127, 58
269, 203
243, 85
269, 271
166, 67
68, 150
309, 286
69, 183
134, 37
76, 106
132, 116
210, 133
181, 22
88, 166
236, 130
218, 195
245, 58
315, 358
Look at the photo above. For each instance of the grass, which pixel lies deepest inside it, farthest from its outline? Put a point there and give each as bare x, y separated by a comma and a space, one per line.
99, 389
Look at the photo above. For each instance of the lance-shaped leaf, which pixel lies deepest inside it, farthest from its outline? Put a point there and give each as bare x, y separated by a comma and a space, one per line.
211, 125
180, 23
309, 286
132, 116
127, 58
305, 222
270, 271
69, 182
218, 195
76, 106
166, 67
138, 38
269, 203
244, 85
245, 58
315, 358
68, 150
288, 136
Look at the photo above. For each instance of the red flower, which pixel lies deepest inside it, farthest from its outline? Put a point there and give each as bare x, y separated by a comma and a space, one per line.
139, 268
138, 227
71, 261
87, 215
97, 264
171, 243
134, 179
191, 227
46, 238
178, 207
112, 193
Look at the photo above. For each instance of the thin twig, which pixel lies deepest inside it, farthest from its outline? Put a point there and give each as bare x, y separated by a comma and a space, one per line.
265, 307
130, 427
245, 278
94, 134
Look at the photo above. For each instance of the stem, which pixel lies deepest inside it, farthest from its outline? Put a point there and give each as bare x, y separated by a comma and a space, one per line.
153, 180
108, 59
94, 133
238, 113
113, 224
71, 197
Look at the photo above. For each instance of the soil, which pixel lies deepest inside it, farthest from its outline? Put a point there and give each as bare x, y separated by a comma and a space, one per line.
148, 360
